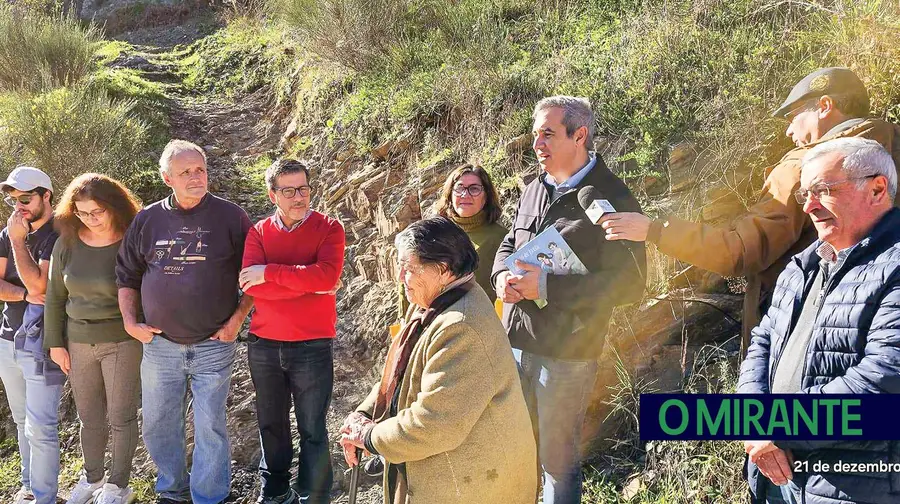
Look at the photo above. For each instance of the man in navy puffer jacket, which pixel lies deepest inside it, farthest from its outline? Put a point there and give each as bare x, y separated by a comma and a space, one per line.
834, 324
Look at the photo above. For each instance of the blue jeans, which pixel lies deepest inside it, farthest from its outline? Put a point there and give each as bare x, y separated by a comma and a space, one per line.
301, 373
557, 393
785, 494
35, 409
14, 384
166, 372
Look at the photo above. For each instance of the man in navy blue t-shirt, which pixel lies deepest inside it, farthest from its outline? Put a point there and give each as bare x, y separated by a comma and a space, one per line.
25, 246
177, 273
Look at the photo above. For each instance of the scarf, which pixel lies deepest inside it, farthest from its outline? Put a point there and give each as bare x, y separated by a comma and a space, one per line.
402, 346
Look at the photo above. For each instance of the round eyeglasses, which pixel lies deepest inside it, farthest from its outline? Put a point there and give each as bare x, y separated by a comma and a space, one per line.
473, 190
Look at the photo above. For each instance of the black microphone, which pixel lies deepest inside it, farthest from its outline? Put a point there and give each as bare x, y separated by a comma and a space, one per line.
587, 195
591, 200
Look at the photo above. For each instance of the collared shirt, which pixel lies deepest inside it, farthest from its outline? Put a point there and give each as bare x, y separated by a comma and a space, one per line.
558, 189
285, 227
832, 260
842, 127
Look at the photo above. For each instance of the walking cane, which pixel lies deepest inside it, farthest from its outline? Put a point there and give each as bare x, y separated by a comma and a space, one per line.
354, 476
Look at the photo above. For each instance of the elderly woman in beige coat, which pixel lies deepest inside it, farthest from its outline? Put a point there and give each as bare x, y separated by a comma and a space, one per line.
448, 415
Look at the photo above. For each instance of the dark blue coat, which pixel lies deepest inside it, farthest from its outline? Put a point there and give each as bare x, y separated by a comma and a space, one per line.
854, 349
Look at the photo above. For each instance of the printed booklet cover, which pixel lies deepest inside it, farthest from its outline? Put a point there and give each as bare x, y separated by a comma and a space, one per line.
551, 252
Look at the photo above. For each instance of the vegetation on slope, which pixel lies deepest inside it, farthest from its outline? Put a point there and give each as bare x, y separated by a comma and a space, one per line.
458, 80
62, 109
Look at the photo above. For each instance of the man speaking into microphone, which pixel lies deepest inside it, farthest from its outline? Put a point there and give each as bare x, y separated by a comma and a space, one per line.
557, 345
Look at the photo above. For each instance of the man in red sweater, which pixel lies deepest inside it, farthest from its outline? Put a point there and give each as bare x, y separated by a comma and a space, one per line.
292, 264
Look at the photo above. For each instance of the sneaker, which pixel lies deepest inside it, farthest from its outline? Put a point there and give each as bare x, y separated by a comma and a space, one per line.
112, 494
23, 496
83, 493
289, 498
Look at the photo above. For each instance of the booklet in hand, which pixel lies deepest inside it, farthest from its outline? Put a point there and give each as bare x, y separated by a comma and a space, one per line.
551, 253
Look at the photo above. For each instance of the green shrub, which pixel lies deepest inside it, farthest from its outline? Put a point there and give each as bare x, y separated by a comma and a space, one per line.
40, 52
240, 59
70, 131
359, 34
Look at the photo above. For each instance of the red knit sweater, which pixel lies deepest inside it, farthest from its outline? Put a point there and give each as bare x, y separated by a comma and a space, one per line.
299, 263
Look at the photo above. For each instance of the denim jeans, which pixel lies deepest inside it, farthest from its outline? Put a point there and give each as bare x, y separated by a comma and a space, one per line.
166, 372
785, 494
301, 373
557, 393
35, 409
14, 385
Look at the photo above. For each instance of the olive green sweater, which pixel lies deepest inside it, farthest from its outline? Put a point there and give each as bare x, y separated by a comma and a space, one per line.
486, 238
82, 304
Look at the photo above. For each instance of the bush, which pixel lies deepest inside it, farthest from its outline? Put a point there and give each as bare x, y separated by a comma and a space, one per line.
67, 132
40, 52
359, 34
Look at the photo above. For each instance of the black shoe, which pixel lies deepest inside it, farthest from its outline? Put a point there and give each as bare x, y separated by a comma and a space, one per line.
289, 498
375, 466
166, 500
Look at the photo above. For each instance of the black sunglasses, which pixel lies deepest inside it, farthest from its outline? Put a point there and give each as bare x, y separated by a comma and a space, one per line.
24, 199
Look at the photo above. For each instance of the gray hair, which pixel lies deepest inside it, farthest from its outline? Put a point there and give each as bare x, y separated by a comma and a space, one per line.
576, 113
176, 147
437, 240
861, 158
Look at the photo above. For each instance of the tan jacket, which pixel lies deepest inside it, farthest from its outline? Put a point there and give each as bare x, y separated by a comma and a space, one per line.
759, 243
462, 426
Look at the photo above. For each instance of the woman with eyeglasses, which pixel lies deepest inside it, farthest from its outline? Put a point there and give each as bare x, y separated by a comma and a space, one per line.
469, 199
448, 415
84, 331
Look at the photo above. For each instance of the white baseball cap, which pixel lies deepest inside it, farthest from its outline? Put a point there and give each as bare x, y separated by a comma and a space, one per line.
27, 178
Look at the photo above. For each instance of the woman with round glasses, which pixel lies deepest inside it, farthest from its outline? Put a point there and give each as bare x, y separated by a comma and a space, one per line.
84, 331
448, 415
468, 198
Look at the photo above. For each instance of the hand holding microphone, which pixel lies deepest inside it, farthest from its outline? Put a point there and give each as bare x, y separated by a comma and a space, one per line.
626, 226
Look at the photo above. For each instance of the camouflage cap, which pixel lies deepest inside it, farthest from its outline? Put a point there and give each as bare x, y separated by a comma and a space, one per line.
824, 81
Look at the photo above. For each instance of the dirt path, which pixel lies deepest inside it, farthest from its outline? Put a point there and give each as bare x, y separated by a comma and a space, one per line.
236, 133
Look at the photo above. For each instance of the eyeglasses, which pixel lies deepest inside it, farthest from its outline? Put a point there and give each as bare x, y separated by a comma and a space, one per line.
805, 106
406, 265
24, 199
290, 192
93, 214
474, 190
820, 189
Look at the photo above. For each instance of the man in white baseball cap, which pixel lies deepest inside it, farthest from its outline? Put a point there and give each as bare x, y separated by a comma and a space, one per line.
25, 247
26, 178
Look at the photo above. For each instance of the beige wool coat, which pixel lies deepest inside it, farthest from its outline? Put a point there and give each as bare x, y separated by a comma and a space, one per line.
462, 427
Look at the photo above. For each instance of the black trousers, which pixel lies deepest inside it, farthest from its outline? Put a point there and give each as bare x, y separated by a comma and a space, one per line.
302, 372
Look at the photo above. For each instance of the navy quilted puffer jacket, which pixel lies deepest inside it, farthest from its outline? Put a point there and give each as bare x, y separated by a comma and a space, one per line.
854, 349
